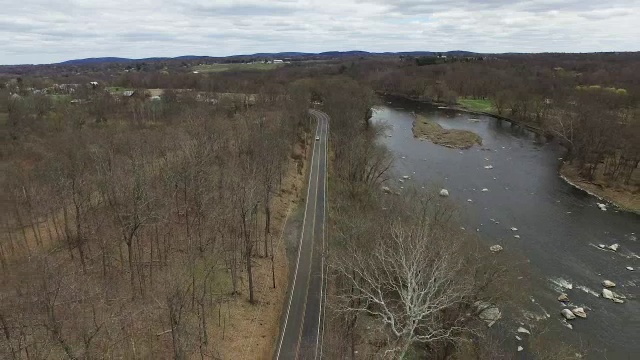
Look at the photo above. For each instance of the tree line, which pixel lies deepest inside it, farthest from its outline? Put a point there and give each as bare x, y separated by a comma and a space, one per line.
591, 102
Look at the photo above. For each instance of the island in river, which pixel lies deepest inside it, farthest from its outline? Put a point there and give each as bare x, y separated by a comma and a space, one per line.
424, 128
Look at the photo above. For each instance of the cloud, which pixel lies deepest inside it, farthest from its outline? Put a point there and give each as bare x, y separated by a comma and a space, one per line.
45, 31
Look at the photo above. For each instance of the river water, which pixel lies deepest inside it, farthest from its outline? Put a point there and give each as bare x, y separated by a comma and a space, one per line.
560, 227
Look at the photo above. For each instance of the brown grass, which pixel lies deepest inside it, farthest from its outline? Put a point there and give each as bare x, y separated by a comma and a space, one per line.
626, 197
423, 128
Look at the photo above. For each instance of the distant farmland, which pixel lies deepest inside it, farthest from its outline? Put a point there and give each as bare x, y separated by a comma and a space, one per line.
235, 67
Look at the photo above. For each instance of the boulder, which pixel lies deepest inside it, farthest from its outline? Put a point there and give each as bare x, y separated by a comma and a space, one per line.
444, 192
608, 284
614, 247
520, 348
618, 301
579, 312
607, 294
514, 229
406, 177
489, 167
485, 190
523, 330
563, 298
495, 248
516, 236
602, 207
602, 246
386, 189
629, 268
469, 200
567, 314
488, 312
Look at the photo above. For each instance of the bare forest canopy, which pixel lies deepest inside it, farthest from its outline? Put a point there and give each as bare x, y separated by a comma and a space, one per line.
136, 197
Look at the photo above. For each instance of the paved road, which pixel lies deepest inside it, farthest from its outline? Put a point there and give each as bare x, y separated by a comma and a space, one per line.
301, 333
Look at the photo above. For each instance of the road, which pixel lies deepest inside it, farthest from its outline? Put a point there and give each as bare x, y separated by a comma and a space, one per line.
301, 333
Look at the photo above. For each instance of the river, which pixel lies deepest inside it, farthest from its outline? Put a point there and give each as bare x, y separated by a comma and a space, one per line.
559, 226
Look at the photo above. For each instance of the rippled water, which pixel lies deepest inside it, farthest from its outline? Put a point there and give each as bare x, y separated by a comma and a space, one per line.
560, 228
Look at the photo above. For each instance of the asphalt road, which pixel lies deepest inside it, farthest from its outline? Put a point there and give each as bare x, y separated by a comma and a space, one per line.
301, 333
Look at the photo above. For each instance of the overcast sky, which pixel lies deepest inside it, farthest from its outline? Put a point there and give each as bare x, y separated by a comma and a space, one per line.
46, 31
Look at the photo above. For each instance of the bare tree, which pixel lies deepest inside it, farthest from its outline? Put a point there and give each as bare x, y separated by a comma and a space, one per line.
409, 277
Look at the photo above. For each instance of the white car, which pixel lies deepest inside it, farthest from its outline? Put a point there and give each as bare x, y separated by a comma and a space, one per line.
317, 138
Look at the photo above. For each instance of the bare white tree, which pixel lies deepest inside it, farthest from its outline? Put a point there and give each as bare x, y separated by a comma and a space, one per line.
409, 278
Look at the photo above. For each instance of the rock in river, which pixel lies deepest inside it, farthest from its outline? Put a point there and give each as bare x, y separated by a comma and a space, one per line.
444, 192
607, 294
629, 268
488, 312
608, 284
614, 247
523, 330
563, 298
567, 314
579, 312
495, 248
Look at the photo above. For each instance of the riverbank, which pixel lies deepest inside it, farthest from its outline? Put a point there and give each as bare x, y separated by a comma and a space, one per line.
462, 108
622, 197
423, 128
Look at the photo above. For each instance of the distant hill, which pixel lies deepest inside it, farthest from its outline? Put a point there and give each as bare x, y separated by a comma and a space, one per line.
100, 60
279, 55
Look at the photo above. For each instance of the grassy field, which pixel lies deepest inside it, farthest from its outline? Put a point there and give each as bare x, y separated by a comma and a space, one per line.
117, 89
459, 139
61, 98
235, 67
484, 105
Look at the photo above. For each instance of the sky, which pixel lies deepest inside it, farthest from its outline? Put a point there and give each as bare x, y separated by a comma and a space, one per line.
49, 31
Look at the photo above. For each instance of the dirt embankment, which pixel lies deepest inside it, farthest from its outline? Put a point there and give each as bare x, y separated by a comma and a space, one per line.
424, 128
626, 197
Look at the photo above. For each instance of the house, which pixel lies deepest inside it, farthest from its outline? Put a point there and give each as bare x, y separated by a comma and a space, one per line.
65, 88
278, 61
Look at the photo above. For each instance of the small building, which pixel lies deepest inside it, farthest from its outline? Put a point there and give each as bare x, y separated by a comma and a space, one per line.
128, 93
278, 61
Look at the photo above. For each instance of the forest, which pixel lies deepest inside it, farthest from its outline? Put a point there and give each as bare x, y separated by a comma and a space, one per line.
131, 223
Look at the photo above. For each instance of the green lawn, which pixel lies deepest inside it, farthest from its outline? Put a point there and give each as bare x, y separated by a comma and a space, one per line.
235, 67
484, 105
61, 98
117, 89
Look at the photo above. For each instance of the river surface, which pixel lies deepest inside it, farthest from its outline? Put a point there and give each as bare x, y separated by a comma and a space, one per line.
560, 227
